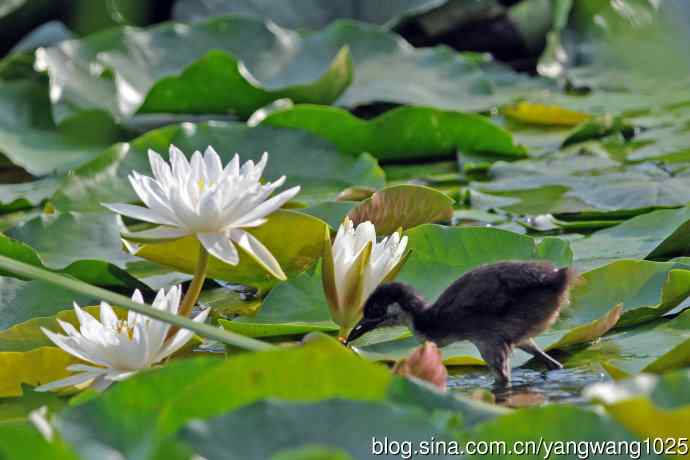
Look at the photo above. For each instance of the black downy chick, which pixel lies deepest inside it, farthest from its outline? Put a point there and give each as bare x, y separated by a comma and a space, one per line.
496, 307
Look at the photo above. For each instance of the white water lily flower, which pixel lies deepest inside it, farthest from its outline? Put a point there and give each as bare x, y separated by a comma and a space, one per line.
355, 265
119, 348
202, 198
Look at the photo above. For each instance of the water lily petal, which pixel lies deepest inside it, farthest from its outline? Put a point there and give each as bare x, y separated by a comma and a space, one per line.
214, 167
108, 316
89, 327
161, 233
69, 381
132, 316
153, 196
233, 167
100, 383
328, 274
159, 167
220, 246
178, 161
268, 206
138, 212
258, 252
198, 170
85, 368
71, 346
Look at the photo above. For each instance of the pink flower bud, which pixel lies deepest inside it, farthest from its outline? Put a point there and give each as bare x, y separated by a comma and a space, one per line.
425, 363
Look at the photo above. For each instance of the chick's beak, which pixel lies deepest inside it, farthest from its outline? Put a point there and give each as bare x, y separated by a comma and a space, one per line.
363, 326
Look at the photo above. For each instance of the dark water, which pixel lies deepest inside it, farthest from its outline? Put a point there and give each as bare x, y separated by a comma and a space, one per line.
529, 387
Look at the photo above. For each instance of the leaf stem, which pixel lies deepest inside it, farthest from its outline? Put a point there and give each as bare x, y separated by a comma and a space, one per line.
192, 294
29, 271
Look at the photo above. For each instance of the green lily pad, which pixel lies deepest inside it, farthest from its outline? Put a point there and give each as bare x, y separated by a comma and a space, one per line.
646, 290
403, 206
388, 69
331, 212
553, 423
649, 406
294, 307
25, 195
294, 239
34, 367
585, 185
290, 425
98, 272
30, 138
20, 407
227, 302
61, 239
234, 63
167, 398
405, 132
305, 159
21, 301
27, 336
21, 439
311, 452
654, 235
300, 15
657, 347
406, 391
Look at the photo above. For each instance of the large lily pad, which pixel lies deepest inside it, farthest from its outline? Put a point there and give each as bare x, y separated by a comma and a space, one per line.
314, 14
662, 233
656, 347
331, 212
167, 398
552, 423
21, 439
225, 64
294, 307
388, 69
305, 159
405, 132
24, 195
97, 272
27, 336
61, 239
348, 425
20, 407
34, 367
583, 183
294, 239
30, 138
403, 207
646, 290
23, 300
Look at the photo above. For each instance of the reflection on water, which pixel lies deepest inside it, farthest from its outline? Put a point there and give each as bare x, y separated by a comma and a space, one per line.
529, 387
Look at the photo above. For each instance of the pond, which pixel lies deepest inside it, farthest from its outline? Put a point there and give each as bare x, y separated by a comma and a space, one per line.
529, 387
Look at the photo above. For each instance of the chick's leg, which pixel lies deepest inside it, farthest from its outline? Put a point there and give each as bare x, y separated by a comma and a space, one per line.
496, 354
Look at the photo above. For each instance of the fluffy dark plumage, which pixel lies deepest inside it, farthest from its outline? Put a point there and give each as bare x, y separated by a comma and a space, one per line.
496, 307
